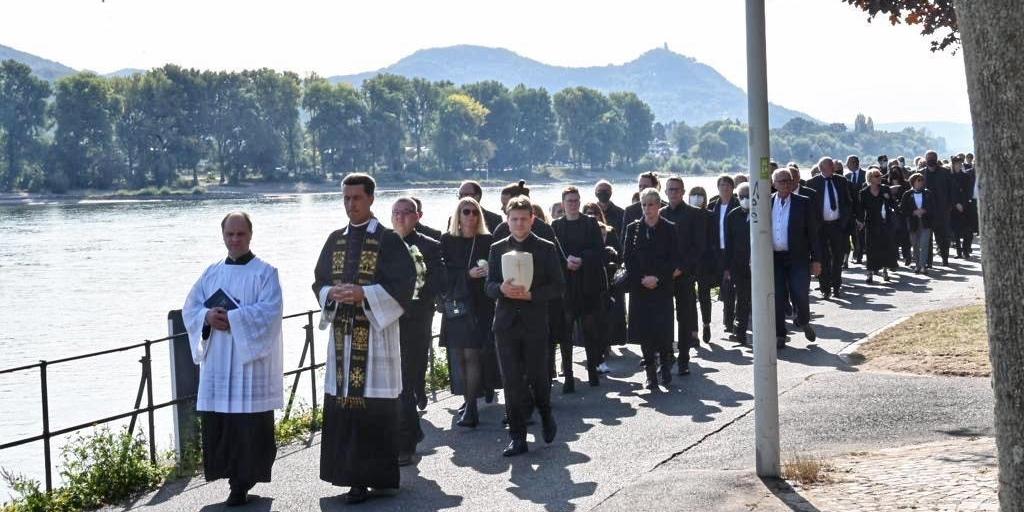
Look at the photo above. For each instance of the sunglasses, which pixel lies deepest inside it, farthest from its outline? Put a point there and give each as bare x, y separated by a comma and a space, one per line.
470, 211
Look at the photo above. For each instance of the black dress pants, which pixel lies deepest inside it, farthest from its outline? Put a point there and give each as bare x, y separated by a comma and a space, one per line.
741, 284
835, 242
523, 357
686, 315
415, 332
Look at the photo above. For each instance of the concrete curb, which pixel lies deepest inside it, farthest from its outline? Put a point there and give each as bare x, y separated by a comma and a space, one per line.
852, 347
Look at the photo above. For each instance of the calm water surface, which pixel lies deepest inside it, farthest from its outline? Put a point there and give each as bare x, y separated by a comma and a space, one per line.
78, 278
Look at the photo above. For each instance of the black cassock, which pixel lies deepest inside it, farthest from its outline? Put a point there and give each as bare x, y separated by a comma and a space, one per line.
359, 446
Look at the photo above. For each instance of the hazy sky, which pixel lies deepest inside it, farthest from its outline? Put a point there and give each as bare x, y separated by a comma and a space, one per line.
824, 58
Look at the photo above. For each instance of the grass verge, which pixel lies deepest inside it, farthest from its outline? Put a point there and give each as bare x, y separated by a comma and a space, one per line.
951, 342
807, 469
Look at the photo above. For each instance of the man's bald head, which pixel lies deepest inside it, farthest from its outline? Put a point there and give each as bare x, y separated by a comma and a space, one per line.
236, 227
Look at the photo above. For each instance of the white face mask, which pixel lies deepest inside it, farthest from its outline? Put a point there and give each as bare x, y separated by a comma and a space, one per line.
696, 201
745, 203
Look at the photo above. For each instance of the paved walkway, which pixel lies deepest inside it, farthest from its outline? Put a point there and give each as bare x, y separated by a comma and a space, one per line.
956, 475
620, 447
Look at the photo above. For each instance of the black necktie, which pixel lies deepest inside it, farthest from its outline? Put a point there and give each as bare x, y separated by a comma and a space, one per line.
831, 193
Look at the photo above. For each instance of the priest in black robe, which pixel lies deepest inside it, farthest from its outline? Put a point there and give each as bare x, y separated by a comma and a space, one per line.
366, 276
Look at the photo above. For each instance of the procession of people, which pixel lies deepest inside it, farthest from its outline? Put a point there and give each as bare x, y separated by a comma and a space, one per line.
516, 293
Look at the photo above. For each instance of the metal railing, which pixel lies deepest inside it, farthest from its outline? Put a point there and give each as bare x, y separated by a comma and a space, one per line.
146, 387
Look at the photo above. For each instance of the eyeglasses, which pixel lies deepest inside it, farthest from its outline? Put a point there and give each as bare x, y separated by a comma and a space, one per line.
470, 211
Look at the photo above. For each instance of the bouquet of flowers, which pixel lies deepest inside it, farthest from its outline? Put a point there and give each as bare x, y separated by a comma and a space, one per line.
421, 270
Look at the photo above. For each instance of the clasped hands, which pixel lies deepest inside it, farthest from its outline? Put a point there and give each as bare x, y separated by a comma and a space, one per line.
218, 319
515, 291
573, 262
347, 293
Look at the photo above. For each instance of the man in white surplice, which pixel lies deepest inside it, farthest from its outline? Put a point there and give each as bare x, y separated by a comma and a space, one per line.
233, 319
366, 274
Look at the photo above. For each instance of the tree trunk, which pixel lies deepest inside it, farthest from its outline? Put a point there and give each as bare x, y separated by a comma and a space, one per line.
993, 48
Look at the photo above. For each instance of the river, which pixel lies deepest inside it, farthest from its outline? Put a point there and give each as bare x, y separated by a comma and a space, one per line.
89, 276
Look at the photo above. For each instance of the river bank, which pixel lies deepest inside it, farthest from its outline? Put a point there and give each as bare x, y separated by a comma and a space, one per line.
213, 190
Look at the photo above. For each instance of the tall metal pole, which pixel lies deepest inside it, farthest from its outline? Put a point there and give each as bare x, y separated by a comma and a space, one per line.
766, 385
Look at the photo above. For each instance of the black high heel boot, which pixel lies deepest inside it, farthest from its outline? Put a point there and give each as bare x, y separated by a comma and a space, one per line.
470, 418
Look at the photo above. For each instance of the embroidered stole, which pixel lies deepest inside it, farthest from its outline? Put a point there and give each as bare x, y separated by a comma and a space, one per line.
352, 320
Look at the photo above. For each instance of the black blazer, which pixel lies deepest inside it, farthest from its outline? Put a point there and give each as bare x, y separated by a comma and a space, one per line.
737, 241
591, 273
433, 288
613, 217
908, 205
714, 235
842, 189
427, 230
491, 220
691, 235
548, 284
804, 244
652, 256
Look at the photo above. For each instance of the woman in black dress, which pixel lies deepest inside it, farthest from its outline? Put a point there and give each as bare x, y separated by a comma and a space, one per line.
612, 261
875, 214
466, 336
649, 255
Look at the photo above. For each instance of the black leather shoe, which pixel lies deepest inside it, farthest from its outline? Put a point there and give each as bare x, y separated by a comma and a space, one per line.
516, 447
809, 332
741, 338
706, 335
237, 497
356, 495
569, 386
825, 294
666, 375
683, 368
593, 378
422, 402
470, 417
489, 396
549, 427
838, 292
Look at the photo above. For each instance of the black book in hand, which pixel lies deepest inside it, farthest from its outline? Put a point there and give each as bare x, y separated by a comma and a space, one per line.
219, 299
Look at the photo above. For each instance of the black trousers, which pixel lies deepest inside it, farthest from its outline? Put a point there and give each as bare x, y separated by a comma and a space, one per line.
835, 242
686, 315
238, 446
560, 333
858, 244
942, 233
741, 284
792, 282
415, 329
587, 326
523, 357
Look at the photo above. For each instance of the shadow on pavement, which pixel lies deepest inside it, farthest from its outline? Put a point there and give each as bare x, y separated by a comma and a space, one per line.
788, 495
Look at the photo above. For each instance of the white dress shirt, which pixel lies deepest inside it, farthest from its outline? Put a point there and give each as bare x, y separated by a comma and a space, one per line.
723, 210
827, 213
780, 223
919, 199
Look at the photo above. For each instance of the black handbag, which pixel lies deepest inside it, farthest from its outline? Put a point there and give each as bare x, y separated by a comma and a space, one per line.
453, 308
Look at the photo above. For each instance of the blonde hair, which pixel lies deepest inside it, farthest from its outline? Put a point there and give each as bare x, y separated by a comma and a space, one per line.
650, 192
455, 223
872, 173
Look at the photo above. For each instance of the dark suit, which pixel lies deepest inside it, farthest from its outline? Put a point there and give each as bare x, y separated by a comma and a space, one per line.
834, 234
586, 288
963, 228
690, 245
857, 181
491, 220
521, 328
792, 266
944, 191
613, 217
427, 230
737, 261
717, 232
617, 313
919, 227
415, 333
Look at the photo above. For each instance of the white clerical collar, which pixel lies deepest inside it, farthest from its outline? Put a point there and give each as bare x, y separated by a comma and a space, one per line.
371, 225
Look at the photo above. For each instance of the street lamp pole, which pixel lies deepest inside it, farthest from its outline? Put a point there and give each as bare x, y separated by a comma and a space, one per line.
766, 385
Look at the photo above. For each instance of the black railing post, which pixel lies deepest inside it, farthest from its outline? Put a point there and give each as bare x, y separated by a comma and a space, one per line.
138, 397
148, 370
312, 364
298, 375
46, 424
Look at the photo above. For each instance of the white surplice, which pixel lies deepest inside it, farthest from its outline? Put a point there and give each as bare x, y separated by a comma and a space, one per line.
384, 357
240, 370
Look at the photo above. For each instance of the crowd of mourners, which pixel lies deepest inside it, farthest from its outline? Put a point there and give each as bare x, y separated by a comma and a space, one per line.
380, 289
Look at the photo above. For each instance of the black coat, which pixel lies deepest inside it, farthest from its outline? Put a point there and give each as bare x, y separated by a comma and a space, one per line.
492, 220
632, 213
583, 286
613, 217
548, 284
944, 191
691, 235
429, 231
908, 205
737, 241
459, 255
804, 243
649, 252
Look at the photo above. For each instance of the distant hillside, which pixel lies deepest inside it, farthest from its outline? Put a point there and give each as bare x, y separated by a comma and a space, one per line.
675, 86
959, 136
43, 68
124, 72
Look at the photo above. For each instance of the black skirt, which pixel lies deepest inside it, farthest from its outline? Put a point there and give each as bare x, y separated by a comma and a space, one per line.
238, 446
359, 447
